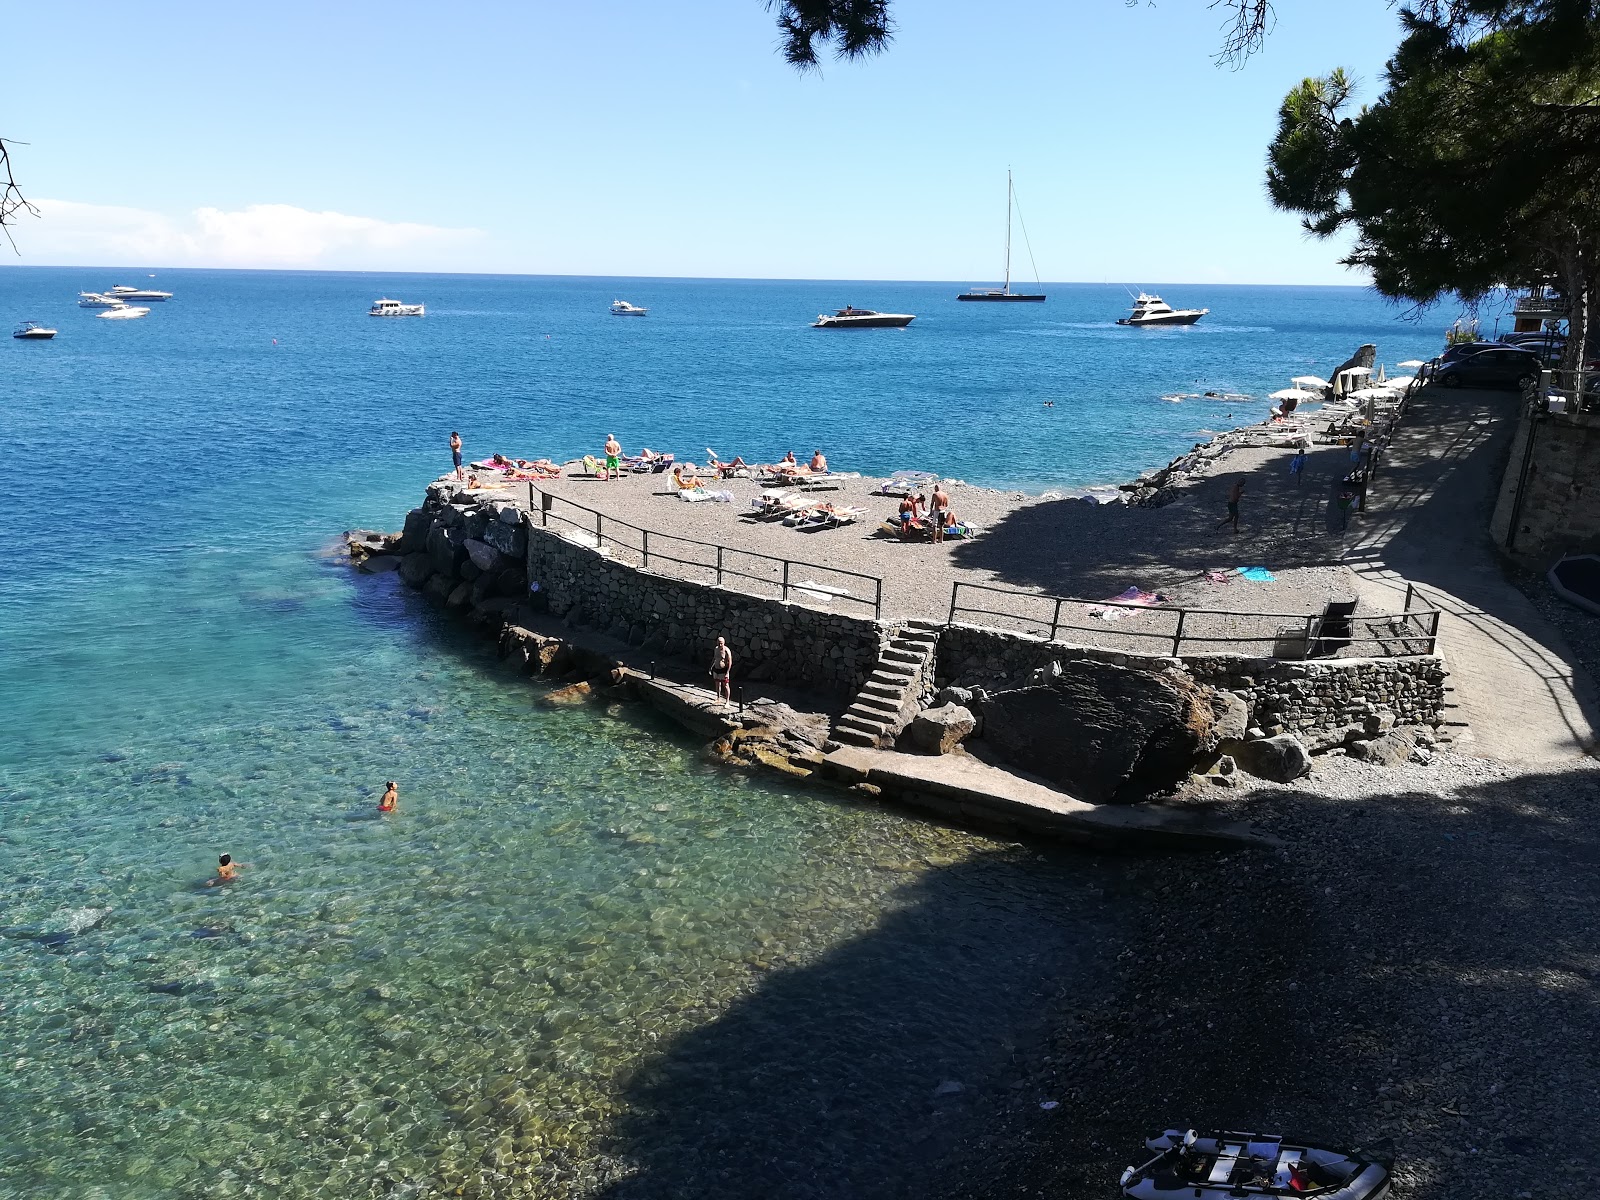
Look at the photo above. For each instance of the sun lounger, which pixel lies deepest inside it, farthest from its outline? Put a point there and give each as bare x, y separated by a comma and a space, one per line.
828, 517
819, 483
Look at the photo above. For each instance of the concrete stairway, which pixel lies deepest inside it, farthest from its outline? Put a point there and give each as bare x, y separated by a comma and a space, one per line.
893, 691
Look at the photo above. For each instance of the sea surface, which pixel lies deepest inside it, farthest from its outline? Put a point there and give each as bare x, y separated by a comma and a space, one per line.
578, 960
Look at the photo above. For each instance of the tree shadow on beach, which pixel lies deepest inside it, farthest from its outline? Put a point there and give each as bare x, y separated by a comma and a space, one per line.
856, 1075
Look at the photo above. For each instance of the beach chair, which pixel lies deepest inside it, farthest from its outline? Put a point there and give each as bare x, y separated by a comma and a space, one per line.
1331, 632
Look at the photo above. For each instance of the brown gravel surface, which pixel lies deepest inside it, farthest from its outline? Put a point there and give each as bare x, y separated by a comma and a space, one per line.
1419, 962
1044, 544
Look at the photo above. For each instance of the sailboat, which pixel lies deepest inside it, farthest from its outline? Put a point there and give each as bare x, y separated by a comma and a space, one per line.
1004, 294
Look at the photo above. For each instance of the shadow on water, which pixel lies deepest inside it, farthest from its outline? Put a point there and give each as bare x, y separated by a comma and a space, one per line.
855, 1074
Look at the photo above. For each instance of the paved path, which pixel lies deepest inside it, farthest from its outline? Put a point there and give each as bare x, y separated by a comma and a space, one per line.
1517, 684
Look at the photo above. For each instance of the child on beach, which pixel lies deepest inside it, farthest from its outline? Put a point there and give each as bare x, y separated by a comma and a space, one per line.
1297, 464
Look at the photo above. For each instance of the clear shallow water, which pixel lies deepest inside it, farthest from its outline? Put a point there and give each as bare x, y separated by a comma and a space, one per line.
578, 960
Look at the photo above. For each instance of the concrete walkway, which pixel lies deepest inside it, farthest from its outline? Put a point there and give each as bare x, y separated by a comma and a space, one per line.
1518, 687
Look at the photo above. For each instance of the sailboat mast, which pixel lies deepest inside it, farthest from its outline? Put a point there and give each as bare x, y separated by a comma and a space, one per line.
1008, 232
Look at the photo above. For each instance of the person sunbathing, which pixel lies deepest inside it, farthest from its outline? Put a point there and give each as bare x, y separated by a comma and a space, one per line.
472, 483
500, 460
683, 475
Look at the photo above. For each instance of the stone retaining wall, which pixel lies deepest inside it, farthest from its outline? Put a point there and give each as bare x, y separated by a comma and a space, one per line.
1299, 696
1559, 508
790, 644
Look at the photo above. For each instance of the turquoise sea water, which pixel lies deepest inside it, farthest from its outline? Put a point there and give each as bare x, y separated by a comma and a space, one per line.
579, 960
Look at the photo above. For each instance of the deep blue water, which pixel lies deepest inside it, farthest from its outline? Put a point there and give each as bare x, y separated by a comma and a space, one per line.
471, 992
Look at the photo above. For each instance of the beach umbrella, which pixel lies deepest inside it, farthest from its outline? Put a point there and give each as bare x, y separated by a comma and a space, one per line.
1309, 381
1411, 364
1293, 394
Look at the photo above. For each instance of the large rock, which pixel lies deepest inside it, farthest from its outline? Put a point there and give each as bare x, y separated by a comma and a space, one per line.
415, 534
1232, 715
1105, 733
1388, 749
484, 556
940, 730
510, 540
415, 569
444, 548
1282, 759
378, 564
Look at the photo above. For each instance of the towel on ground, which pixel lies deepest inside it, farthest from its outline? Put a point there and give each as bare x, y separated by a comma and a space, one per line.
1258, 574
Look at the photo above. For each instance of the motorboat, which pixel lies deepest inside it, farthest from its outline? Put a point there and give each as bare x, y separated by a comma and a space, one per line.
97, 300
32, 331
1003, 293
124, 312
862, 318
621, 308
393, 308
1221, 1165
125, 293
1153, 310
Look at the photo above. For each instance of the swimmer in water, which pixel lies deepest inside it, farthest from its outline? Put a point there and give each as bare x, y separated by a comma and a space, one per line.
391, 797
227, 871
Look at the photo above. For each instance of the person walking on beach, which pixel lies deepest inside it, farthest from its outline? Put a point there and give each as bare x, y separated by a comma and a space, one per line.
722, 670
1297, 465
455, 451
391, 797
1235, 494
613, 457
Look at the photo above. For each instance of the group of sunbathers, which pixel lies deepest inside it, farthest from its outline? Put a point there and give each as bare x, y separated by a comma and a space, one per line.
518, 468
932, 514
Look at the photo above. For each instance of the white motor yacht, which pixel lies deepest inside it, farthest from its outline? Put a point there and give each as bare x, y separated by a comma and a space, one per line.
124, 312
32, 331
125, 293
393, 308
97, 300
621, 308
1153, 310
862, 318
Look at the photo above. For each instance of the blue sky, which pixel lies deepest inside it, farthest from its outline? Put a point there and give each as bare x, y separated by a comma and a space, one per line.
620, 139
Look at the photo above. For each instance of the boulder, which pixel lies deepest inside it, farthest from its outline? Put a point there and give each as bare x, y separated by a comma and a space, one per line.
1282, 758
379, 564
438, 588
575, 693
1379, 722
459, 595
484, 556
1231, 715
510, 540
954, 695
414, 536
444, 548
1386, 750
415, 569
1105, 733
940, 730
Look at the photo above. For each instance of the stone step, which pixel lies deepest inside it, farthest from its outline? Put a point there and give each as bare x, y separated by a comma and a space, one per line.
921, 649
865, 724
888, 670
853, 737
888, 704
894, 654
889, 691
868, 712
921, 623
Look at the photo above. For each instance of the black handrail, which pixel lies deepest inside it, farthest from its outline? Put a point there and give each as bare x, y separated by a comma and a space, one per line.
544, 502
1426, 621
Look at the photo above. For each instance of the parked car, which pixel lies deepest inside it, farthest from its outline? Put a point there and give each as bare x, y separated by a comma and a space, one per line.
1463, 349
1498, 366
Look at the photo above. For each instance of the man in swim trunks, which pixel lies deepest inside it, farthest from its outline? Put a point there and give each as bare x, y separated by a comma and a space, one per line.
613, 456
391, 797
722, 670
819, 464
1235, 494
939, 512
455, 451
910, 510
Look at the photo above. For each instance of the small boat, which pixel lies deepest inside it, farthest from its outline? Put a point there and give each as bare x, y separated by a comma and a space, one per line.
125, 293
1153, 310
1222, 1165
621, 308
862, 318
393, 308
1003, 294
124, 312
32, 331
97, 300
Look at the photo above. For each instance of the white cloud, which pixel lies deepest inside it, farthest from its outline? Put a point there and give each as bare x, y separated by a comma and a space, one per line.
262, 235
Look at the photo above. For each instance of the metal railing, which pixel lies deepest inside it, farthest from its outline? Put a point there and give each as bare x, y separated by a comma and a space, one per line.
1175, 631
758, 574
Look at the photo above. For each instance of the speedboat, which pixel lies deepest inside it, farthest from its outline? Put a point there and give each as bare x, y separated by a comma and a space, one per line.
621, 308
393, 308
862, 318
1153, 310
96, 300
123, 312
125, 293
32, 331
1222, 1165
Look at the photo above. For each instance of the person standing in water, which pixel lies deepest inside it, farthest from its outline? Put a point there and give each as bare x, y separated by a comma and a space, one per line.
227, 871
722, 670
391, 797
455, 451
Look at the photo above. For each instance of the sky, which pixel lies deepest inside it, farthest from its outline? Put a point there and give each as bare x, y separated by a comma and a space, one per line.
639, 138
